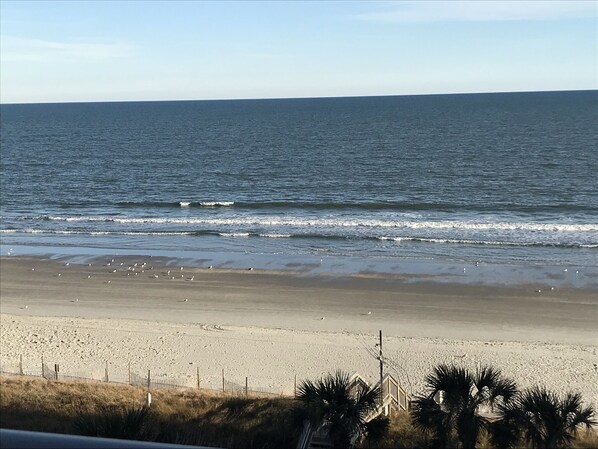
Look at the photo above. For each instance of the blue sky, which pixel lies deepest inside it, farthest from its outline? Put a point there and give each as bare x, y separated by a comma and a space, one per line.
116, 50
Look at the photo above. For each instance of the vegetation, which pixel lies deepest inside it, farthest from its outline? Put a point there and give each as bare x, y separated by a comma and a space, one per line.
541, 419
330, 402
534, 418
177, 416
456, 420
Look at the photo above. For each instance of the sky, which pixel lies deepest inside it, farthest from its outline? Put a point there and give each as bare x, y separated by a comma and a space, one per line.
191, 50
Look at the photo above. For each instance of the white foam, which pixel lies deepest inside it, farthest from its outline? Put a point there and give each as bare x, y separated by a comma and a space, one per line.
275, 220
184, 203
216, 203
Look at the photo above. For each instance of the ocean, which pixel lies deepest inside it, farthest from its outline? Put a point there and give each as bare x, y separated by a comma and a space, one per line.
392, 184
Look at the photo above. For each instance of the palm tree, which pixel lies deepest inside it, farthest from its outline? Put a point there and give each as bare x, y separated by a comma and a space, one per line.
542, 419
456, 421
332, 403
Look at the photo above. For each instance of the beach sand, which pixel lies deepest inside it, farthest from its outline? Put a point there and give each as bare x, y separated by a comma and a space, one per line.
271, 327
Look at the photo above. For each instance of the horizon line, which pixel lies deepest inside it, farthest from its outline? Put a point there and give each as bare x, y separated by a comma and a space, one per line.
297, 98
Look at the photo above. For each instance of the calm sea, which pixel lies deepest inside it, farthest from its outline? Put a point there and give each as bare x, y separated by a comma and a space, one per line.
507, 178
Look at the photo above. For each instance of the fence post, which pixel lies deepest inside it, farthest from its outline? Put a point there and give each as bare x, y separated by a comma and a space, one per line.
56, 369
223, 388
106, 372
246, 383
21, 364
129, 372
198, 378
148, 380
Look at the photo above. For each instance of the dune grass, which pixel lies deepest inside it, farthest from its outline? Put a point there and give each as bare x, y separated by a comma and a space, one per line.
179, 416
187, 416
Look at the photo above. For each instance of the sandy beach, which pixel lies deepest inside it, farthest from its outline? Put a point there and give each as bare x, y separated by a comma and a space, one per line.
271, 327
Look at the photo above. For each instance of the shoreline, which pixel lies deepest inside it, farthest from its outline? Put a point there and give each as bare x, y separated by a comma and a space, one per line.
269, 326
485, 273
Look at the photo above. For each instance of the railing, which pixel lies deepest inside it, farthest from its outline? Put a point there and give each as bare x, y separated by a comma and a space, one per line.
19, 439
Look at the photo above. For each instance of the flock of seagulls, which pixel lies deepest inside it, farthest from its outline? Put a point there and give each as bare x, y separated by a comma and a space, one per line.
138, 268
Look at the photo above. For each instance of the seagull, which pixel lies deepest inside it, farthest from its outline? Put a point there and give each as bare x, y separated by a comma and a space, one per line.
114, 271
59, 274
33, 269
323, 318
109, 282
369, 313
250, 269
186, 300
192, 277
538, 291
88, 277
168, 272
210, 267
156, 276
89, 265
67, 264
551, 288
181, 268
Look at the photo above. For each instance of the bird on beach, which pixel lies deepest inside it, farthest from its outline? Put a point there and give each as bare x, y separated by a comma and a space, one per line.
88, 277
369, 313
59, 274
210, 267
191, 278
186, 300
538, 291
66, 264
155, 276
33, 269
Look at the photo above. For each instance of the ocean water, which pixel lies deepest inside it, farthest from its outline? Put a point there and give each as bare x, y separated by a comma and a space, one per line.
508, 179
